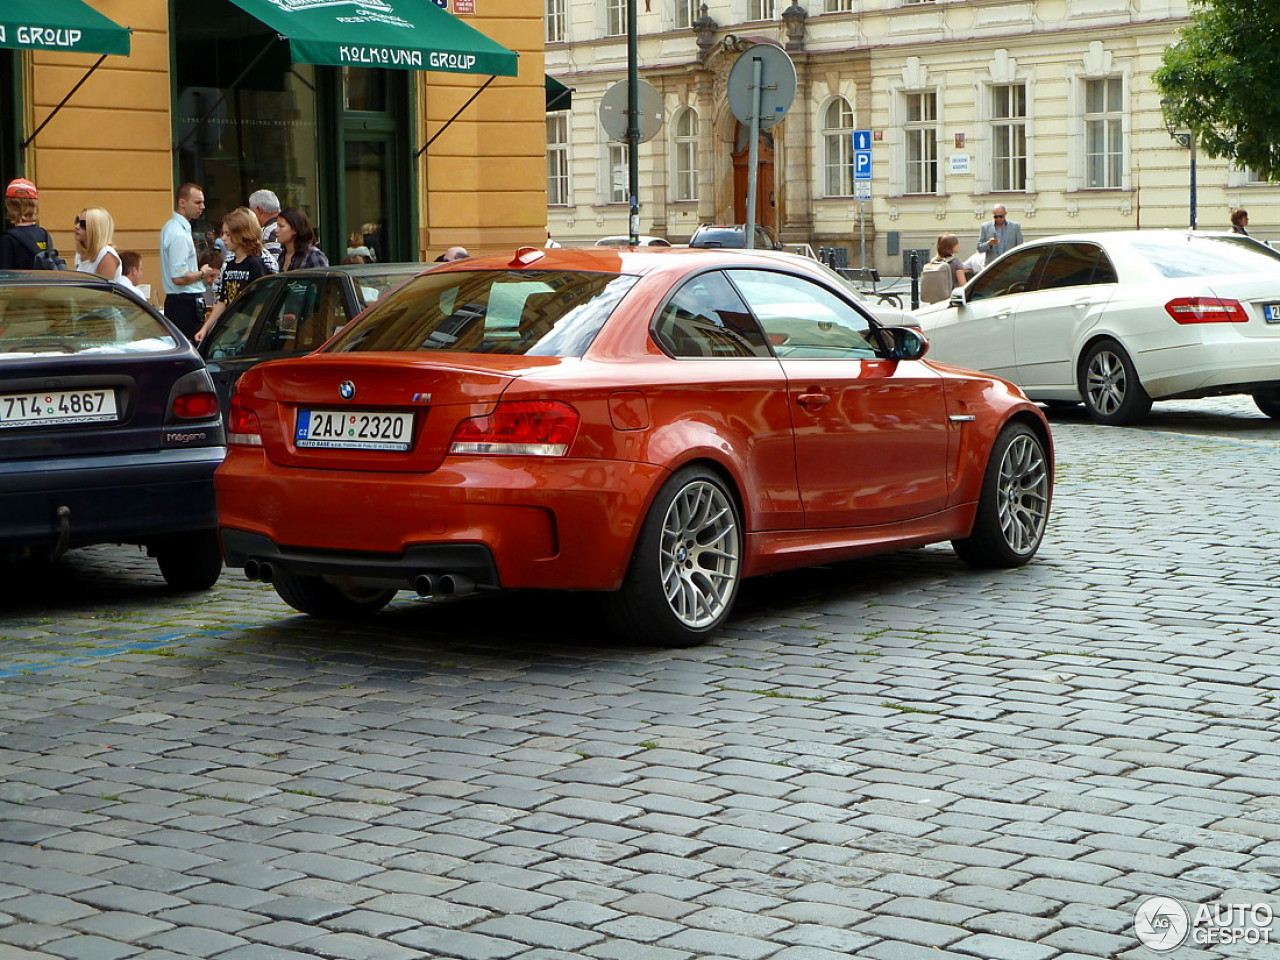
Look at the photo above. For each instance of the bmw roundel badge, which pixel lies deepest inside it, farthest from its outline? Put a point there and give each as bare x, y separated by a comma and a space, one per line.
346, 389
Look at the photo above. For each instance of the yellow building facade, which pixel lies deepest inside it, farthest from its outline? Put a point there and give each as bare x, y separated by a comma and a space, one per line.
348, 144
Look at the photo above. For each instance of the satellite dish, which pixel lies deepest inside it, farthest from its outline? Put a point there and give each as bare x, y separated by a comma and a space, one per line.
613, 110
777, 84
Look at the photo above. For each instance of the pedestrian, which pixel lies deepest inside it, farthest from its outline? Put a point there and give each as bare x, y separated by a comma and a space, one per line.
266, 207
183, 278
452, 254
1000, 234
1240, 221
95, 230
243, 236
298, 250
551, 243
27, 240
131, 272
943, 273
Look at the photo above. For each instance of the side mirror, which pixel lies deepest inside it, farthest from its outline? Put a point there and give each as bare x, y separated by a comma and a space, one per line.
957, 298
905, 343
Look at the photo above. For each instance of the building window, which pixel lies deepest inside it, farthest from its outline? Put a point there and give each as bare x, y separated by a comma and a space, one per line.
555, 21
763, 10
615, 18
686, 158
922, 142
558, 159
837, 6
1009, 137
617, 174
687, 11
837, 140
1103, 132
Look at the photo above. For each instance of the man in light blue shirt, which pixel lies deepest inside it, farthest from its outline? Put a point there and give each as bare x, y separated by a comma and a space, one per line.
183, 278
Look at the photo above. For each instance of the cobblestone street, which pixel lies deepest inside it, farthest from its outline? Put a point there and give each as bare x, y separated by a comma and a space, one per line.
898, 758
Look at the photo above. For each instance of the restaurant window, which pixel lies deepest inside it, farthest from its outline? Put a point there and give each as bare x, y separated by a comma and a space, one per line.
330, 141
11, 132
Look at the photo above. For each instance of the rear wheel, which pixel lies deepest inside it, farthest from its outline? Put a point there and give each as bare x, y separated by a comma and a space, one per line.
1109, 384
319, 598
1268, 401
189, 561
687, 564
1013, 507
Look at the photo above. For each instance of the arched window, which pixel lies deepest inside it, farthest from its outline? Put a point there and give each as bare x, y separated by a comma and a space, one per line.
686, 154
837, 139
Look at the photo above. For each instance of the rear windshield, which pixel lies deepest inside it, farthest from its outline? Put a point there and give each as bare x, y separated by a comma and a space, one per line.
1208, 256
546, 313
59, 319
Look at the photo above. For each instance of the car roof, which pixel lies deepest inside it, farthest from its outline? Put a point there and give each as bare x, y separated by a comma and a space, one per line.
70, 278
1126, 236
363, 269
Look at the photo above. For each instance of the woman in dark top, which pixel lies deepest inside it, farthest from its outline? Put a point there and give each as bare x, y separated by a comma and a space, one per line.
243, 236
18, 247
298, 241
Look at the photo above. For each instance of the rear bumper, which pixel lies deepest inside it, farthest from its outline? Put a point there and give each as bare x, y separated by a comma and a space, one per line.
1212, 368
108, 499
525, 523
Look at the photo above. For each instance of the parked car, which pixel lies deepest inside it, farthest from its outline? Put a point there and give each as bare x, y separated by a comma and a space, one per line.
733, 236
625, 241
653, 427
286, 314
109, 427
1117, 320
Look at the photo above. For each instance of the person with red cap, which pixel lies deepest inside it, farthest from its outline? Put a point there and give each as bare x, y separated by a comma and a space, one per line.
18, 247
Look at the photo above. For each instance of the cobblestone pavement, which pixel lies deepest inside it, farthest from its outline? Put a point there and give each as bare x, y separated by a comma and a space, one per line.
898, 758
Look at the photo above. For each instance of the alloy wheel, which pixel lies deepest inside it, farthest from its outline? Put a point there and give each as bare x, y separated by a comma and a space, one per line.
1106, 382
1023, 498
699, 554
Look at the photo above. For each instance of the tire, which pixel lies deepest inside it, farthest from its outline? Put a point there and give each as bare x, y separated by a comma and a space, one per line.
1013, 507
1113, 394
687, 565
319, 598
1061, 404
1268, 401
190, 561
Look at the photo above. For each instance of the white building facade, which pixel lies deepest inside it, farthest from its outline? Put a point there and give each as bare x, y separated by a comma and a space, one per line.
1044, 106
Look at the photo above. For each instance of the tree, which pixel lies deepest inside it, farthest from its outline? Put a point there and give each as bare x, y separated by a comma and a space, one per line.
1217, 81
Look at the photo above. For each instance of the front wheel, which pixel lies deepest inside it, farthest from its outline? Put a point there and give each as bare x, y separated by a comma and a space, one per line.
1109, 384
684, 574
1268, 401
190, 561
319, 598
1013, 507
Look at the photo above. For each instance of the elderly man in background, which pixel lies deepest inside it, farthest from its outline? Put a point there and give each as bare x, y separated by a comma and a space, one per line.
452, 254
1000, 234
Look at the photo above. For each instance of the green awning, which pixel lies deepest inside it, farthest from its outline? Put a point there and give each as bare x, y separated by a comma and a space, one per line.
559, 97
68, 25
399, 34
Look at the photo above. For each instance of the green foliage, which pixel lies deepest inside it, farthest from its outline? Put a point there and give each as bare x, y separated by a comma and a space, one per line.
1217, 81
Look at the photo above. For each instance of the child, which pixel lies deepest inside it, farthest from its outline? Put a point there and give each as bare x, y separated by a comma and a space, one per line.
243, 237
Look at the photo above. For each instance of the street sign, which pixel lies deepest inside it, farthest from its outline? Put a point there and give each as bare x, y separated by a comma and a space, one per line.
862, 189
862, 155
613, 111
777, 85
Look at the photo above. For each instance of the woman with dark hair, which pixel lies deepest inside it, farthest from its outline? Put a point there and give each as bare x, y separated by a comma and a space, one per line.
297, 240
1240, 221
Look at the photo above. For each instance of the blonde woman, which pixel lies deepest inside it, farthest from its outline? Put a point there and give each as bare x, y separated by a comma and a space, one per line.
95, 231
242, 234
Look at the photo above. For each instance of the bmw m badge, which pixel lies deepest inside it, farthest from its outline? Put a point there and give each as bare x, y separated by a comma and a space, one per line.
346, 389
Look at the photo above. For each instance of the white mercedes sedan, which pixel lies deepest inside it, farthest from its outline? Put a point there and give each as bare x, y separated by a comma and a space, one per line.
1117, 320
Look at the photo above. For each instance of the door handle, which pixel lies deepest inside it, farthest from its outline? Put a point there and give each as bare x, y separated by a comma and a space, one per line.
813, 399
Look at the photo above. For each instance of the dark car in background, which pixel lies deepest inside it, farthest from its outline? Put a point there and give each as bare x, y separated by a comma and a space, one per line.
109, 428
289, 314
732, 236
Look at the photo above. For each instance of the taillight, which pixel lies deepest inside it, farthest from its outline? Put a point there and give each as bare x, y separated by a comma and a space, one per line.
242, 425
195, 406
1206, 310
538, 428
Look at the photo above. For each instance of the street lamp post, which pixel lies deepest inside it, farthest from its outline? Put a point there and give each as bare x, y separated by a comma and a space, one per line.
1187, 140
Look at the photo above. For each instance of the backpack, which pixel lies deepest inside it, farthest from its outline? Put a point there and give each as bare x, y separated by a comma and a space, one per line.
46, 254
936, 281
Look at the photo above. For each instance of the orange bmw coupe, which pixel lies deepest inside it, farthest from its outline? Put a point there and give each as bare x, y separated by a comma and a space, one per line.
652, 425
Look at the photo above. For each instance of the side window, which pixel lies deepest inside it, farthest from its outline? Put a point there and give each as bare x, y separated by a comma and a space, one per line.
804, 319
707, 318
231, 337
1011, 275
1104, 271
1069, 265
307, 315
